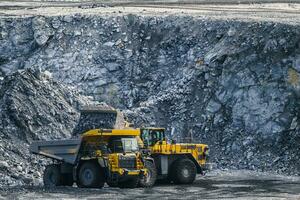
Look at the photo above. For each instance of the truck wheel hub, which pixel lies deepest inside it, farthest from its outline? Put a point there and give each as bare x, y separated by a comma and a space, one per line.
88, 176
185, 172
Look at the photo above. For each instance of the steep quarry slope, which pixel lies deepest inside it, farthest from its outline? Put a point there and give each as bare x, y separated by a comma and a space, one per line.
232, 84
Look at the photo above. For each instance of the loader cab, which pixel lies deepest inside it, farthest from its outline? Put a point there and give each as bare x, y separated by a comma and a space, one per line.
151, 136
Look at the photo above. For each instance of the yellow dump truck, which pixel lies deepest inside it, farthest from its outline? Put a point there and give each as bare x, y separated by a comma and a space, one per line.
97, 157
174, 162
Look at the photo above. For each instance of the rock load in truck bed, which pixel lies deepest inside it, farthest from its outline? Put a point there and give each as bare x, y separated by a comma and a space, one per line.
33, 107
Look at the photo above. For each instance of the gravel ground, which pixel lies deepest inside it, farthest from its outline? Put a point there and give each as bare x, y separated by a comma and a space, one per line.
215, 185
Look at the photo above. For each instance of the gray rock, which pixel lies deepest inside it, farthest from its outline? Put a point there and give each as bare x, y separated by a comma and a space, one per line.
67, 18
3, 165
42, 30
112, 66
109, 44
213, 106
19, 168
231, 32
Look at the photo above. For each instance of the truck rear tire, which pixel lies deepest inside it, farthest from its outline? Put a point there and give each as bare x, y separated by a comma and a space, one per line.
183, 171
52, 176
150, 178
91, 175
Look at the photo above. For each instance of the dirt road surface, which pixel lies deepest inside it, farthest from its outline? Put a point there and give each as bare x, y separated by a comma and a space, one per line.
277, 12
215, 185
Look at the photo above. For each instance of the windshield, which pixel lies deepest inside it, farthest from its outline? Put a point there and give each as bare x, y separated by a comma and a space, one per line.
121, 145
151, 136
130, 144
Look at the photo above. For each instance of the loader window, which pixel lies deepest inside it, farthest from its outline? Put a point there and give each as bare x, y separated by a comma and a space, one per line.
151, 136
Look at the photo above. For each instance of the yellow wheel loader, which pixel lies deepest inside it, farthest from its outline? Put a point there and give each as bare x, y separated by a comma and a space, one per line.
177, 163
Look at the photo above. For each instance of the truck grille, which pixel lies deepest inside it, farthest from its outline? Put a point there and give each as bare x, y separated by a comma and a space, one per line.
127, 162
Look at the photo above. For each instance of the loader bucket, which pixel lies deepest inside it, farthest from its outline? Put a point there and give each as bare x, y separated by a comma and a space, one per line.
97, 118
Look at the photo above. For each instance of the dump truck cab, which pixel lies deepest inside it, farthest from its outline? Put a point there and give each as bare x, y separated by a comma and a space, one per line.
117, 151
176, 162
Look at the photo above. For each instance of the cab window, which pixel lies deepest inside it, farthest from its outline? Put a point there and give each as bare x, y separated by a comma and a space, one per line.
151, 137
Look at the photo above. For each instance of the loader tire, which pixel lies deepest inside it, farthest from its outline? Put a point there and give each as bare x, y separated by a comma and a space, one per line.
112, 184
67, 179
149, 179
91, 175
52, 176
183, 171
131, 183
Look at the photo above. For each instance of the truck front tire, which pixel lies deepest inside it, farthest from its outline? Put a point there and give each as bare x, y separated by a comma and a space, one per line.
149, 179
183, 171
91, 175
52, 176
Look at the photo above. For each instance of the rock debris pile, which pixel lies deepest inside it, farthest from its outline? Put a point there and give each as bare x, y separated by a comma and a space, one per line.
33, 107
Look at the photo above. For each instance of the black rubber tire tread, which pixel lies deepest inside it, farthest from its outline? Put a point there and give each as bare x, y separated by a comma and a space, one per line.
152, 169
98, 180
177, 171
67, 179
52, 176
112, 184
131, 183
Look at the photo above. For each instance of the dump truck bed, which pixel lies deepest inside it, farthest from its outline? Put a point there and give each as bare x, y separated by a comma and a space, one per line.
62, 150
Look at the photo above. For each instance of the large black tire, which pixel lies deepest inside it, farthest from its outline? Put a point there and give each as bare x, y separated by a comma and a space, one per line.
52, 176
67, 179
131, 183
150, 178
91, 175
183, 171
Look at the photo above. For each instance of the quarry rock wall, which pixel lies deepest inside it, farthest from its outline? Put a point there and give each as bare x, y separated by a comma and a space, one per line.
232, 84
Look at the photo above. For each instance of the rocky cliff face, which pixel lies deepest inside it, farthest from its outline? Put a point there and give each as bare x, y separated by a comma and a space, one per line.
232, 84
